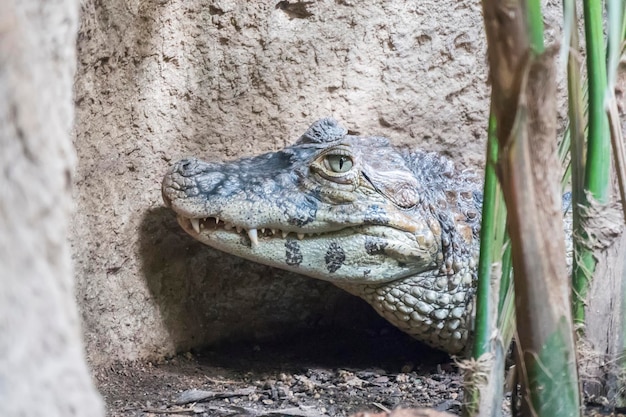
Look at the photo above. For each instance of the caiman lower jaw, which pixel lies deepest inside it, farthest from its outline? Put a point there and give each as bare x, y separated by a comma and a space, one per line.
358, 254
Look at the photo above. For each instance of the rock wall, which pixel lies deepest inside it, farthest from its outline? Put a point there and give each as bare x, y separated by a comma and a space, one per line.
221, 79
42, 365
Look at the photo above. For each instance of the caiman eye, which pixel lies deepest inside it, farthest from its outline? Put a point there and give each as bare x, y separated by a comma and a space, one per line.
338, 163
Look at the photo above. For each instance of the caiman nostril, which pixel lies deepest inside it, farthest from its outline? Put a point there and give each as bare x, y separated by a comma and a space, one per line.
186, 166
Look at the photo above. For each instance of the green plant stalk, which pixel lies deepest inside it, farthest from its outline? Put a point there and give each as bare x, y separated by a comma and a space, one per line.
505, 281
484, 395
597, 167
551, 379
615, 24
575, 131
506, 318
598, 139
577, 141
548, 372
547, 357
616, 19
574, 137
484, 320
524, 91
534, 21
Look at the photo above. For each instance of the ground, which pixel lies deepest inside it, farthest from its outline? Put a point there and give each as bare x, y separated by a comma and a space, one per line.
327, 373
332, 372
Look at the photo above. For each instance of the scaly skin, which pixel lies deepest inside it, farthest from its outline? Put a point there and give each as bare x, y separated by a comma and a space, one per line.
399, 229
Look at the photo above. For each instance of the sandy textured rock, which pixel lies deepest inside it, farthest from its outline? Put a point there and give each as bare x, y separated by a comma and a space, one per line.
221, 79
42, 366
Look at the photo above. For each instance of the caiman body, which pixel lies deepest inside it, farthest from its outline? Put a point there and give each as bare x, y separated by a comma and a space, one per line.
398, 228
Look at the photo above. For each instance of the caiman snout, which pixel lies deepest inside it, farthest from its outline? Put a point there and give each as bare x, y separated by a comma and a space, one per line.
190, 177
173, 180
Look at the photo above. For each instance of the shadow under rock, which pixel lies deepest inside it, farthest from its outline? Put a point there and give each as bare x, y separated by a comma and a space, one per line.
383, 347
209, 299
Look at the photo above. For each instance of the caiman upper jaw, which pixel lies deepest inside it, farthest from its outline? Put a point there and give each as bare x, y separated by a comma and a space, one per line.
198, 190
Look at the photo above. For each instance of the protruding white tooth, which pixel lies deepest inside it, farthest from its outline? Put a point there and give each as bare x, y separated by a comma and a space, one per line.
273, 231
238, 229
217, 220
252, 234
284, 234
300, 236
228, 226
195, 224
262, 230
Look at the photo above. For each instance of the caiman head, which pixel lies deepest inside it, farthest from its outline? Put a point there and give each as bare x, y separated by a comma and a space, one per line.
351, 210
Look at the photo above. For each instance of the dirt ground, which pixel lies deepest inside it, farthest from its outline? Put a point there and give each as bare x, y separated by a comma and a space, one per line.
329, 373
333, 372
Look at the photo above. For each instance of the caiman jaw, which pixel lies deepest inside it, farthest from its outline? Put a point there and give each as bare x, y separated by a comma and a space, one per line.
191, 226
348, 254
195, 227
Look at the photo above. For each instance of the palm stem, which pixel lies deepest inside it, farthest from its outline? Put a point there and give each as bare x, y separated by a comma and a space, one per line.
485, 322
596, 177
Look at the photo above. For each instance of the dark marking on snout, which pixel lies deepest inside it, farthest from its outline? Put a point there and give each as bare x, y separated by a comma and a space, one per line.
375, 246
293, 254
335, 257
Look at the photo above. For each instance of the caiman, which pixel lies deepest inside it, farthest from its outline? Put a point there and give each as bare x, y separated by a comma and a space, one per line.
398, 228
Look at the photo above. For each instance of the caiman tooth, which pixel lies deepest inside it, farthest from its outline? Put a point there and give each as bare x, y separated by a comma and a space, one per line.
238, 228
252, 234
262, 230
217, 220
273, 231
284, 234
195, 224
300, 236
